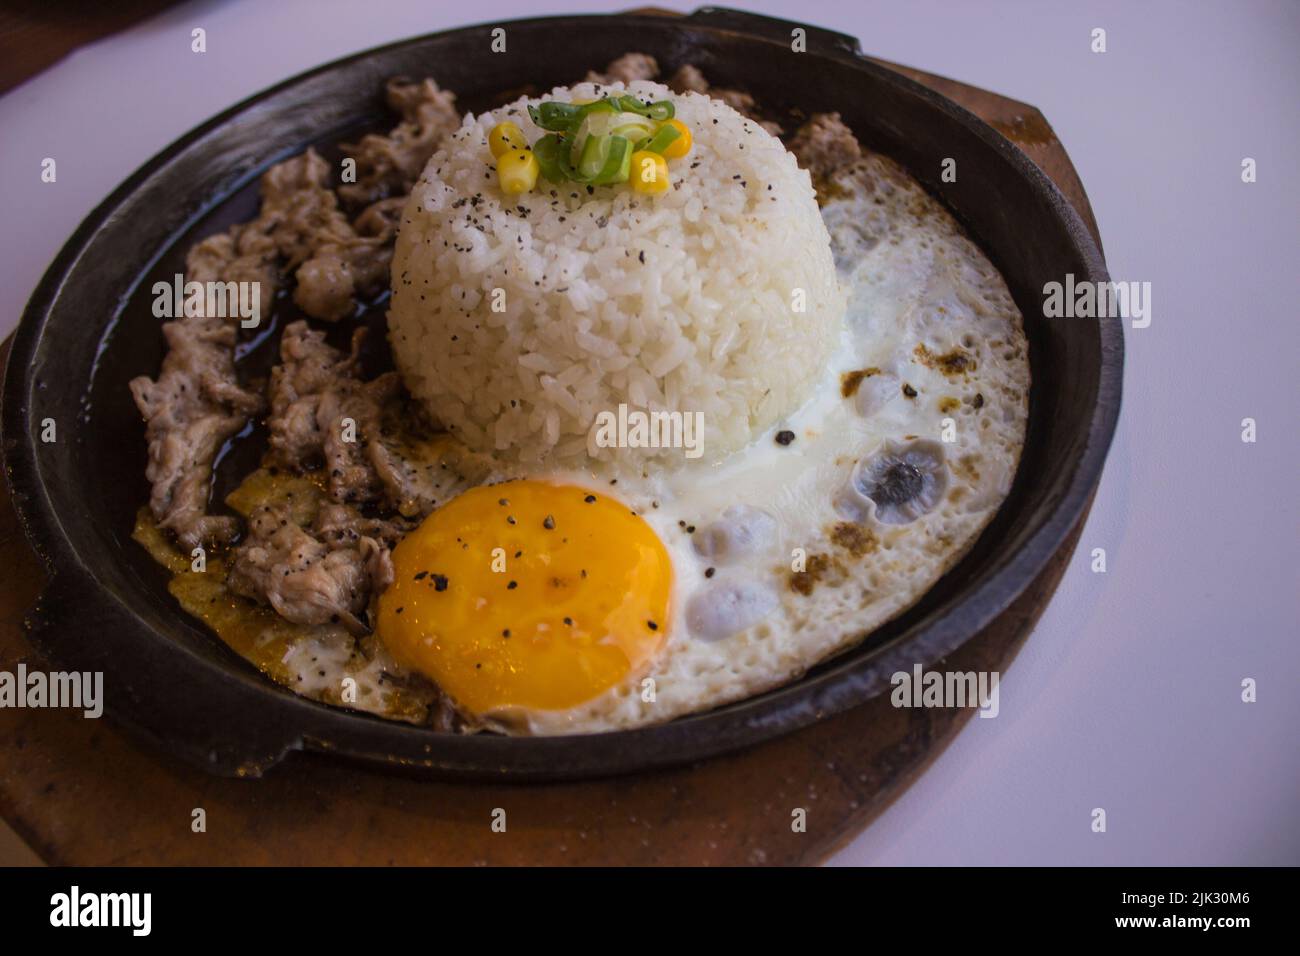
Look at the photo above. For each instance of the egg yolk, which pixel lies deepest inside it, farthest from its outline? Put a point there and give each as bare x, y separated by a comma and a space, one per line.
527, 595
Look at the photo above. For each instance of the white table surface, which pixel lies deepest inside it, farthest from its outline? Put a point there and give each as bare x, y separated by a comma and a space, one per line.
1127, 695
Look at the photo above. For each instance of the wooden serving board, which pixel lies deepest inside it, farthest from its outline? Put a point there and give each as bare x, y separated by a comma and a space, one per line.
80, 792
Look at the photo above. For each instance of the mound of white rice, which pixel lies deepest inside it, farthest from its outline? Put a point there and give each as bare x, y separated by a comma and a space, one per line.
517, 320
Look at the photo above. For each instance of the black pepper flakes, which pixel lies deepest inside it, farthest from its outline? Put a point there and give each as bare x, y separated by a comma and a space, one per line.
784, 437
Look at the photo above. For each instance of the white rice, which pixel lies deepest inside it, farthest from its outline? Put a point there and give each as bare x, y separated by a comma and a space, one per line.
682, 302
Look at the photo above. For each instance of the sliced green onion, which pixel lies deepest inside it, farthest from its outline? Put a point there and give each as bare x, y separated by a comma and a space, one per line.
631, 126
556, 116
593, 142
604, 160
550, 151
592, 156
662, 138
660, 111
618, 162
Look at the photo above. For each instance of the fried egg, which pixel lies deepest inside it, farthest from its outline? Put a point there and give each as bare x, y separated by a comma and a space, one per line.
626, 594
528, 596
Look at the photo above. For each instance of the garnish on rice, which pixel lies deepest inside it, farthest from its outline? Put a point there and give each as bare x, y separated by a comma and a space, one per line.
615, 139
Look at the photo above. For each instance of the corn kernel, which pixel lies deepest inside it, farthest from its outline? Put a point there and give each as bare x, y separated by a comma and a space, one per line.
518, 170
506, 137
649, 173
682, 144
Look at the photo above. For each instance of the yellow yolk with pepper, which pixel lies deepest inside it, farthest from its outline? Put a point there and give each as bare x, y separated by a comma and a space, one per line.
527, 595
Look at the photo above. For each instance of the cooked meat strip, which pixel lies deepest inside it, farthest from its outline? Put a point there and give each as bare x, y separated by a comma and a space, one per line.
390, 165
315, 388
243, 253
410, 487
346, 261
326, 284
295, 209
299, 209
339, 525
380, 219
315, 576
308, 367
329, 282
418, 476
191, 409
301, 225
627, 68
333, 263
688, 79
825, 146
444, 716
314, 392
352, 478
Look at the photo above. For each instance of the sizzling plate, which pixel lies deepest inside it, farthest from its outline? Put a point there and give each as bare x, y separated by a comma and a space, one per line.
106, 607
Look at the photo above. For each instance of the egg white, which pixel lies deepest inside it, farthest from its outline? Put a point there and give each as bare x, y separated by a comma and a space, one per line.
913, 279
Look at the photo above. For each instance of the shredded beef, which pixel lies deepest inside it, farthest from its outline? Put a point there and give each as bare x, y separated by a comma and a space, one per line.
825, 146
688, 79
389, 165
416, 478
301, 227
626, 69
320, 409
311, 576
190, 410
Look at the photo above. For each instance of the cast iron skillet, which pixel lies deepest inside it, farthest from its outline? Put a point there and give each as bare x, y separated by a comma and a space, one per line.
88, 329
